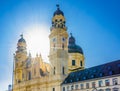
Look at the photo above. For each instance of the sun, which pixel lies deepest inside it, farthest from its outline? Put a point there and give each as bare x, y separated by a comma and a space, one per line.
36, 36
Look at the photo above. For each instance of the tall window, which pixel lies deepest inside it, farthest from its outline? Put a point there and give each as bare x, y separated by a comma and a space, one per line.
100, 83
72, 87
29, 75
107, 82
63, 70
115, 81
93, 84
54, 71
87, 85
73, 62
81, 64
63, 88
82, 86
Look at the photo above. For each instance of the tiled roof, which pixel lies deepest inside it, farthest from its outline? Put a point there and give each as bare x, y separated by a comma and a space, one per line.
108, 69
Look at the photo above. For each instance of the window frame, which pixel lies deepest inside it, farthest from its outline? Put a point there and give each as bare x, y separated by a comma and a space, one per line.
107, 82
73, 62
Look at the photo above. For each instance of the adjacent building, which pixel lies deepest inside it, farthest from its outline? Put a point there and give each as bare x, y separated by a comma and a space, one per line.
104, 77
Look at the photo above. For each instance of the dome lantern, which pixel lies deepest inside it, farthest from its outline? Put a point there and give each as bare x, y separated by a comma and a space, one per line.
22, 39
58, 11
72, 47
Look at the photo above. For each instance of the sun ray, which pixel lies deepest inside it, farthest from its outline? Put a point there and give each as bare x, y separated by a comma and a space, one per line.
37, 39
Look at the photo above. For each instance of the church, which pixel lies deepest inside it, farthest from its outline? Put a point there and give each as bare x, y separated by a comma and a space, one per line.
66, 70
65, 56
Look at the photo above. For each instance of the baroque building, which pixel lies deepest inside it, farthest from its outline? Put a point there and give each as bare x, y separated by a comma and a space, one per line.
66, 70
34, 74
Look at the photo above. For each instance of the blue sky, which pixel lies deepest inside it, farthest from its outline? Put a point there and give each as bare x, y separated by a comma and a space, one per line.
94, 23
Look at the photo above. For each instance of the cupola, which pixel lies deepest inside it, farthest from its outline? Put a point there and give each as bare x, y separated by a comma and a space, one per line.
58, 11
72, 47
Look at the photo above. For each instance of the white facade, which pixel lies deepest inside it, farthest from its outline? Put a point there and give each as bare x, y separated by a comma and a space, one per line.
109, 83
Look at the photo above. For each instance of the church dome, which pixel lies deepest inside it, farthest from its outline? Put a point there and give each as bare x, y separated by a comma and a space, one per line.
22, 39
58, 11
72, 47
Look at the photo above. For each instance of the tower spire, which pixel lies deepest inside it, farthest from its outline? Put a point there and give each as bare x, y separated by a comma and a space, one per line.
57, 5
21, 35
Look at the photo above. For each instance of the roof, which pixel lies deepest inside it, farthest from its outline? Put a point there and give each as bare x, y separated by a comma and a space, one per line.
22, 39
108, 69
58, 11
72, 47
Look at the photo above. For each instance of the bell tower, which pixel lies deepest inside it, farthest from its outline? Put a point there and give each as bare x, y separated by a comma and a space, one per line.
21, 52
58, 42
58, 55
20, 58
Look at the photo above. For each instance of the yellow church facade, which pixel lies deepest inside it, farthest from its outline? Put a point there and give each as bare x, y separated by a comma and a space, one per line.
33, 74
